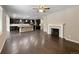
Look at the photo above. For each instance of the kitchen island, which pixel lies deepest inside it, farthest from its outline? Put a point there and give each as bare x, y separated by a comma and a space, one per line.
23, 27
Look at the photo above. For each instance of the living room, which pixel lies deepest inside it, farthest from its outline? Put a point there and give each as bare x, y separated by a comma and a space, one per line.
53, 30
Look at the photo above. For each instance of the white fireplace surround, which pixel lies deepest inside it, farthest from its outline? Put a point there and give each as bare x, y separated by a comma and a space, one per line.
56, 26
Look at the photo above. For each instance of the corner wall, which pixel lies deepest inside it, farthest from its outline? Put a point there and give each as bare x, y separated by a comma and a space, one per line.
3, 28
69, 17
0, 19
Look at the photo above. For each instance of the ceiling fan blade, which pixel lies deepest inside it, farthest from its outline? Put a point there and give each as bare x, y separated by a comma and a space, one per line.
46, 8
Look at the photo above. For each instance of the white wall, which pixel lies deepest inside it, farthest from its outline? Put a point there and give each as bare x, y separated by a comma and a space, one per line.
70, 17
3, 28
44, 24
8, 23
0, 19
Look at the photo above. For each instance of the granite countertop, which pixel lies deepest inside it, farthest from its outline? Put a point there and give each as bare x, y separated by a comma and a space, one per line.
21, 25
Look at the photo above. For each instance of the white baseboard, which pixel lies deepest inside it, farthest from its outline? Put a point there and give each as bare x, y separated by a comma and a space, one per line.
71, 40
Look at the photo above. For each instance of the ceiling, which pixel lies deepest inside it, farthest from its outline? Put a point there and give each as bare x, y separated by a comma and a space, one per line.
27, 11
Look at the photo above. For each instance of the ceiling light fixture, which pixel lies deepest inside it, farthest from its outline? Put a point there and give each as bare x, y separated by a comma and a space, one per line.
41, 8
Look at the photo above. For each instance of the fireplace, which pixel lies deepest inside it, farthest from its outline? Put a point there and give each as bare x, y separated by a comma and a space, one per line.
55, 32
56, 29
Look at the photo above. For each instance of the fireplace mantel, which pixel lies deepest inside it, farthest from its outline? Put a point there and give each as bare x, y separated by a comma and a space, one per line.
56, 26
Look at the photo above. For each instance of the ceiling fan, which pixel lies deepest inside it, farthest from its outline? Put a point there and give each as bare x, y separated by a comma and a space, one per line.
41, 8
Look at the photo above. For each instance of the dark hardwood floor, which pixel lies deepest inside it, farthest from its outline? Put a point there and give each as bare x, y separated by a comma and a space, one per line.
37, 42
